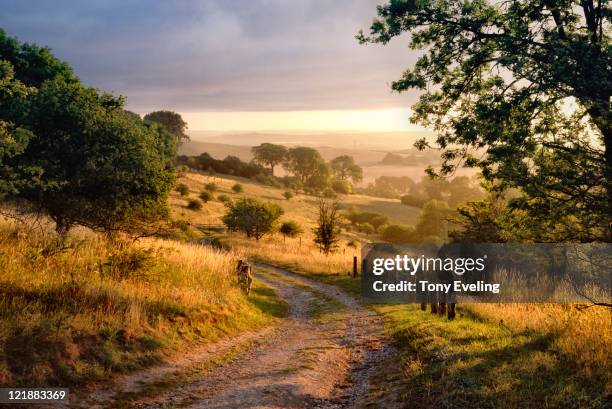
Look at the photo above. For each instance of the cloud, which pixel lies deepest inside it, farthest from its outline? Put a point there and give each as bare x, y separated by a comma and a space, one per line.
268, 55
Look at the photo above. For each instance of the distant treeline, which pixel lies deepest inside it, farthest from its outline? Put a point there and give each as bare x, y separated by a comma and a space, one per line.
455, 191
308, 170
409, 159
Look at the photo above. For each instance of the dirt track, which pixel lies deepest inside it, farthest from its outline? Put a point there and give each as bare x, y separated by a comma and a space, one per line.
322, 356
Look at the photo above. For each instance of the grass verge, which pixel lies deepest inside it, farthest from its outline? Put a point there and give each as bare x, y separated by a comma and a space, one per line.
76, 312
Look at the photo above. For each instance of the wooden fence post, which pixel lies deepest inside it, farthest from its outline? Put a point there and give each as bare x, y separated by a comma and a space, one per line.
354, 266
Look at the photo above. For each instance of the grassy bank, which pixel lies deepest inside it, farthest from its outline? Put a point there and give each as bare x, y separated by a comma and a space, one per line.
482, 360
75, 313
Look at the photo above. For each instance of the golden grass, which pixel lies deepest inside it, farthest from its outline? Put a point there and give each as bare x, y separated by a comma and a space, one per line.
72, 315
582, 335
301, 208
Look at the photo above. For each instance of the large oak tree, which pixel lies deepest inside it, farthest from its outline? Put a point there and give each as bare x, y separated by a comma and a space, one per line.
522, 90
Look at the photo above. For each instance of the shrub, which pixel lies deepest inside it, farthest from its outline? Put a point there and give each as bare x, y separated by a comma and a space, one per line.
129, 263
290, 229
288, 194
329, 193
183, 189
206, 196
237, 188
409, 200
342, 186
211, 187
252, 217
224, 198
395, 233
194, 204
366, 228
374, 219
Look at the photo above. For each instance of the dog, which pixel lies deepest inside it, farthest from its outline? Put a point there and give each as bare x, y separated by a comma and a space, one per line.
245, 275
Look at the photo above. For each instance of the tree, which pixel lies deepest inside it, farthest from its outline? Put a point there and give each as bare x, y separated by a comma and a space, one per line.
305, 163
269, 154
85, 159
287, 194
342, 186
522, 90
344, 168
32, 64
327, 230
290, 229
173, 122
252, 217
13, 139
395, 233
433, 222
238, 188
101, 168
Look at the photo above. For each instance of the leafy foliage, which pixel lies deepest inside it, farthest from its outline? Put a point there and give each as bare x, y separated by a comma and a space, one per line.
73, 153
269, 154
252, 217
171, 121
182, 189
290, 229
194, 204
206, 196
344, 167
521, 90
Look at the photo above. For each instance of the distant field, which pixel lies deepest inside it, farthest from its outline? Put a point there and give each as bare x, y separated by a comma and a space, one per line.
301, 208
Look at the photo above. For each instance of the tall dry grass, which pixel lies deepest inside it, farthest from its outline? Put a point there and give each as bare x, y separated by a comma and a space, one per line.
77, 311
581, 335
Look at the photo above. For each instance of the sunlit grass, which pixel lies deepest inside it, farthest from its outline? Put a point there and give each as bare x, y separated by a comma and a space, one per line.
68, 316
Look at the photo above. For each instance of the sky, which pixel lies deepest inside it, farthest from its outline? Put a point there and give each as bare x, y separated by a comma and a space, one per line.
229, 65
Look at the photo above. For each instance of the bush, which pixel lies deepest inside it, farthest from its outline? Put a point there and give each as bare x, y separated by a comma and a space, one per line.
211, 187
342, 186
130, 263
206, 196
183, 189
288, 194
329, 193
414, 201
237, 188
224, 198
194, 204
252, 217
374, 219
290, 229
366, 228
395, 233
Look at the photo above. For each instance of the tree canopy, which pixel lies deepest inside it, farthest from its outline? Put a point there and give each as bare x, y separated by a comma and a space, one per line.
344, 167
305, 163
73, 153
173, 122
269, 154
522, 90
252, 217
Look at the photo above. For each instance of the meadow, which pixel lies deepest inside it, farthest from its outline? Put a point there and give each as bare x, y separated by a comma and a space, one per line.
554, 355
76, 312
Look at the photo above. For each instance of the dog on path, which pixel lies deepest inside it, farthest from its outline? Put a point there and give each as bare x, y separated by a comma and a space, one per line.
245, 275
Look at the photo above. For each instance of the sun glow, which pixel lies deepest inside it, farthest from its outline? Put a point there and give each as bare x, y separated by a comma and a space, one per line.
385, 120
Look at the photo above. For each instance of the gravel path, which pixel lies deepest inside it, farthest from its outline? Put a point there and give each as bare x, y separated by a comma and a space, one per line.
322, 356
